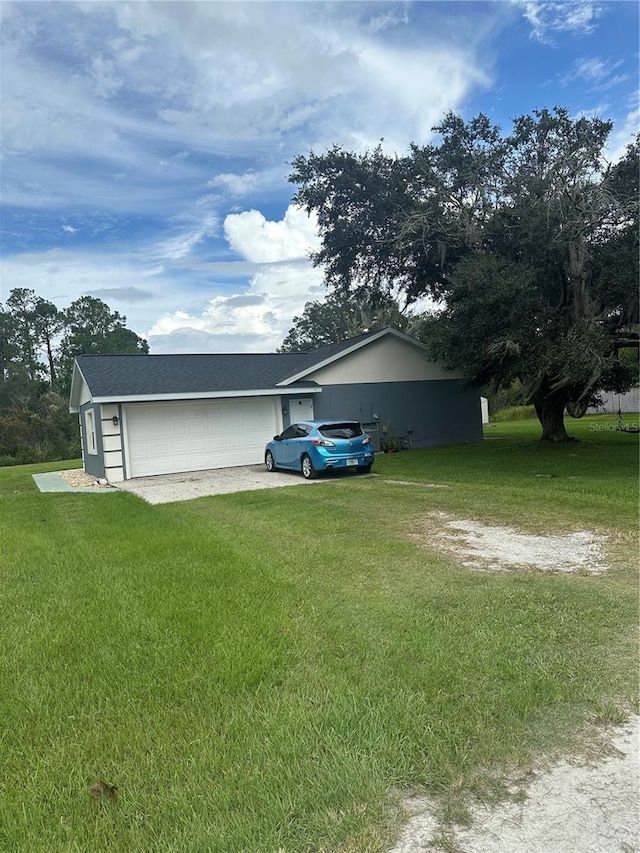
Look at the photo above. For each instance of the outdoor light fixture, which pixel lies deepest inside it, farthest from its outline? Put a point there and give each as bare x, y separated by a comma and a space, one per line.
115, 420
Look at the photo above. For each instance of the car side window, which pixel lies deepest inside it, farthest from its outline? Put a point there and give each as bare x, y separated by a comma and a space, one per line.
290, 432
295, 431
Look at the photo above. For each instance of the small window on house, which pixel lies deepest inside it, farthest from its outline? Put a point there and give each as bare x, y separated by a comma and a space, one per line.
90, 431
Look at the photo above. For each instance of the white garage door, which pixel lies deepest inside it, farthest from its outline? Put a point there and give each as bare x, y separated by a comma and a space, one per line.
165, 438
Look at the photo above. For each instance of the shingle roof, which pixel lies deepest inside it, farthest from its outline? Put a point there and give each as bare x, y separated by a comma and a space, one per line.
322, 353
118, 376
127, 375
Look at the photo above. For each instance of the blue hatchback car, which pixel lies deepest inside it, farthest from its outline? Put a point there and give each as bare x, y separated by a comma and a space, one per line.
314, 446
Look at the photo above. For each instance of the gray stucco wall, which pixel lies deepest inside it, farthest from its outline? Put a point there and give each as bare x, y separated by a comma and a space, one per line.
425, 413
93, 462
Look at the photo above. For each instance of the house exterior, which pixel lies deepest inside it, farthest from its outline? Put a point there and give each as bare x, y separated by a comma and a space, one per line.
613, 403
142, 415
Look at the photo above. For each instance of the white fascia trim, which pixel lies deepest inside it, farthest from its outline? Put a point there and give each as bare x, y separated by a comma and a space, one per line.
382, 333
196, 395
73, 393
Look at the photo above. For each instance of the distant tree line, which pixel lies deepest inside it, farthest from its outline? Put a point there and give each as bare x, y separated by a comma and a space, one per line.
38, 343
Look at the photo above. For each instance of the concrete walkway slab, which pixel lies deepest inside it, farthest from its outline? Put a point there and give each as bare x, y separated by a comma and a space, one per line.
53, 482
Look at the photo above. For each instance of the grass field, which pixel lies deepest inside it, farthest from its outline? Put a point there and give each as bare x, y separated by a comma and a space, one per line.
269, 671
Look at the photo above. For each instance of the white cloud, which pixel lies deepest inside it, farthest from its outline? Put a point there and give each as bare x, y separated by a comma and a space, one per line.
261, 241
105, 78
254, 181
213, 73
574, 16
100, 100
595, 69
122, 294
187, 340
386, 20
409, 90
237, 185
218, 311
64, 275
182, 244
258, 317
599, 73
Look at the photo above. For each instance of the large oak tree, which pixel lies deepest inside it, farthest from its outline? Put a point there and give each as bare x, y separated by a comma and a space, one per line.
529, 242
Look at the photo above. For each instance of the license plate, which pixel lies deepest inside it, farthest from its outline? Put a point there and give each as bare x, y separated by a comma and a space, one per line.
352, 461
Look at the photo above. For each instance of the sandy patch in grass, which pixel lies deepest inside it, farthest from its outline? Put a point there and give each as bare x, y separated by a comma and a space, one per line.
493, 548
572, 807
81, 480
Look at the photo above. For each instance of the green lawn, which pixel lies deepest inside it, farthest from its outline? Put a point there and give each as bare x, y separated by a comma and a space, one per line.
267, 671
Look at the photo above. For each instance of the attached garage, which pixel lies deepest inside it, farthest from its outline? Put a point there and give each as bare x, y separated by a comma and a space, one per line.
169, 438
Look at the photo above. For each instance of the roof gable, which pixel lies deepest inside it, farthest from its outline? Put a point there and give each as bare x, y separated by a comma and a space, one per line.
324, 356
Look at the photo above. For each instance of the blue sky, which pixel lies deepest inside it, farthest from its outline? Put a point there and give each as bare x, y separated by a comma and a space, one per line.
146, 146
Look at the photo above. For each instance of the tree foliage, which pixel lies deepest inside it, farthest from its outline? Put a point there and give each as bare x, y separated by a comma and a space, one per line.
339, 317
529, 241
38, 343
90, 327
33, 323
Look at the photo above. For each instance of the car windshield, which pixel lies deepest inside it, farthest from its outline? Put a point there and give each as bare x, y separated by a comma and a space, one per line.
349, 429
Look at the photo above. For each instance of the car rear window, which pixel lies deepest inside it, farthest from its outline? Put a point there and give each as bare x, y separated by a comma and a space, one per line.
349, 429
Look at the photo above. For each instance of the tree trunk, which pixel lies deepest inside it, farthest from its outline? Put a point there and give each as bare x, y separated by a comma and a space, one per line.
52, 368
550, 412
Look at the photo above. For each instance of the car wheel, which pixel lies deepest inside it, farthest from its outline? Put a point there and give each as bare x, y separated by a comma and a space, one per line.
308, 471
269, 461
363, 469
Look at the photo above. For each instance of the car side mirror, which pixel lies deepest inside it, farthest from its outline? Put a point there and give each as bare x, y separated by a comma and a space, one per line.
277, 438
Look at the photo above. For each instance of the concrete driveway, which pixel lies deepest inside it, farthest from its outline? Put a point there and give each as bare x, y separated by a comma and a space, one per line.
168, 488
